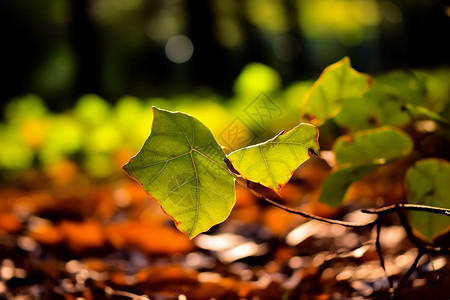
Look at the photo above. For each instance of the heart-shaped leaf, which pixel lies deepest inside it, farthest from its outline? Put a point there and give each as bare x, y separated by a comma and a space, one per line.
428, 183
272, 163
182, 166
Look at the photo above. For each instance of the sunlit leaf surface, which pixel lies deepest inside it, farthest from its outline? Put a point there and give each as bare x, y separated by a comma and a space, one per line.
182, 167
428, 183
272, 163
337, 82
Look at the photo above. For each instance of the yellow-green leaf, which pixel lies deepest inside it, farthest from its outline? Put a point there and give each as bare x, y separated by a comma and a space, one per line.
272, 163
182, 167
428, 183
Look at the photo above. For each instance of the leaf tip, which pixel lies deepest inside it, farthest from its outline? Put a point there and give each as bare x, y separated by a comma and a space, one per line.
124, 167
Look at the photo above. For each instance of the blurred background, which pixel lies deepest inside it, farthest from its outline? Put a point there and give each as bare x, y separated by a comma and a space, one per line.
63, 49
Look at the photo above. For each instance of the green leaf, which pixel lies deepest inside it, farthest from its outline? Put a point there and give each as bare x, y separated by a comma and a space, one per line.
437, 87
425, 112
371, 146
336, 83
428, 183
272, 163
337, 183
387, 105
409, 86
182, 167
359, 154
355, 115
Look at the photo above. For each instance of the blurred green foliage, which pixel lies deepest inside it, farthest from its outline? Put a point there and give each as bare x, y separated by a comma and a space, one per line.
100, 136
62, 50
427, 184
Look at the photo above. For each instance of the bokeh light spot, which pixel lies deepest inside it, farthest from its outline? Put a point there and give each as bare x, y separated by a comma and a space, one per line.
179, 49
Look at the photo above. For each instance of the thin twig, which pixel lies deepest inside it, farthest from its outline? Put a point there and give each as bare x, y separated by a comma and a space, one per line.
318, 218
380, 253
381, 212
378, 211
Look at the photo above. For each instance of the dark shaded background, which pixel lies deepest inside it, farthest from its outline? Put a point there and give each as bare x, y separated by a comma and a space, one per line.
62, 49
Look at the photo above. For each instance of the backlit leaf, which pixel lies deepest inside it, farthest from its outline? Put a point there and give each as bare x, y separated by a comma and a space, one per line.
272, 163
182, 167
428, 183
336, 83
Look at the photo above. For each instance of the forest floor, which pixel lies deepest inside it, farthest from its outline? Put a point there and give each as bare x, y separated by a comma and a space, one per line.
64, 235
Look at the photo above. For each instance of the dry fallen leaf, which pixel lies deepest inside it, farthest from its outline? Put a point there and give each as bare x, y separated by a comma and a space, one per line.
148, 238
9, 222
84, 235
